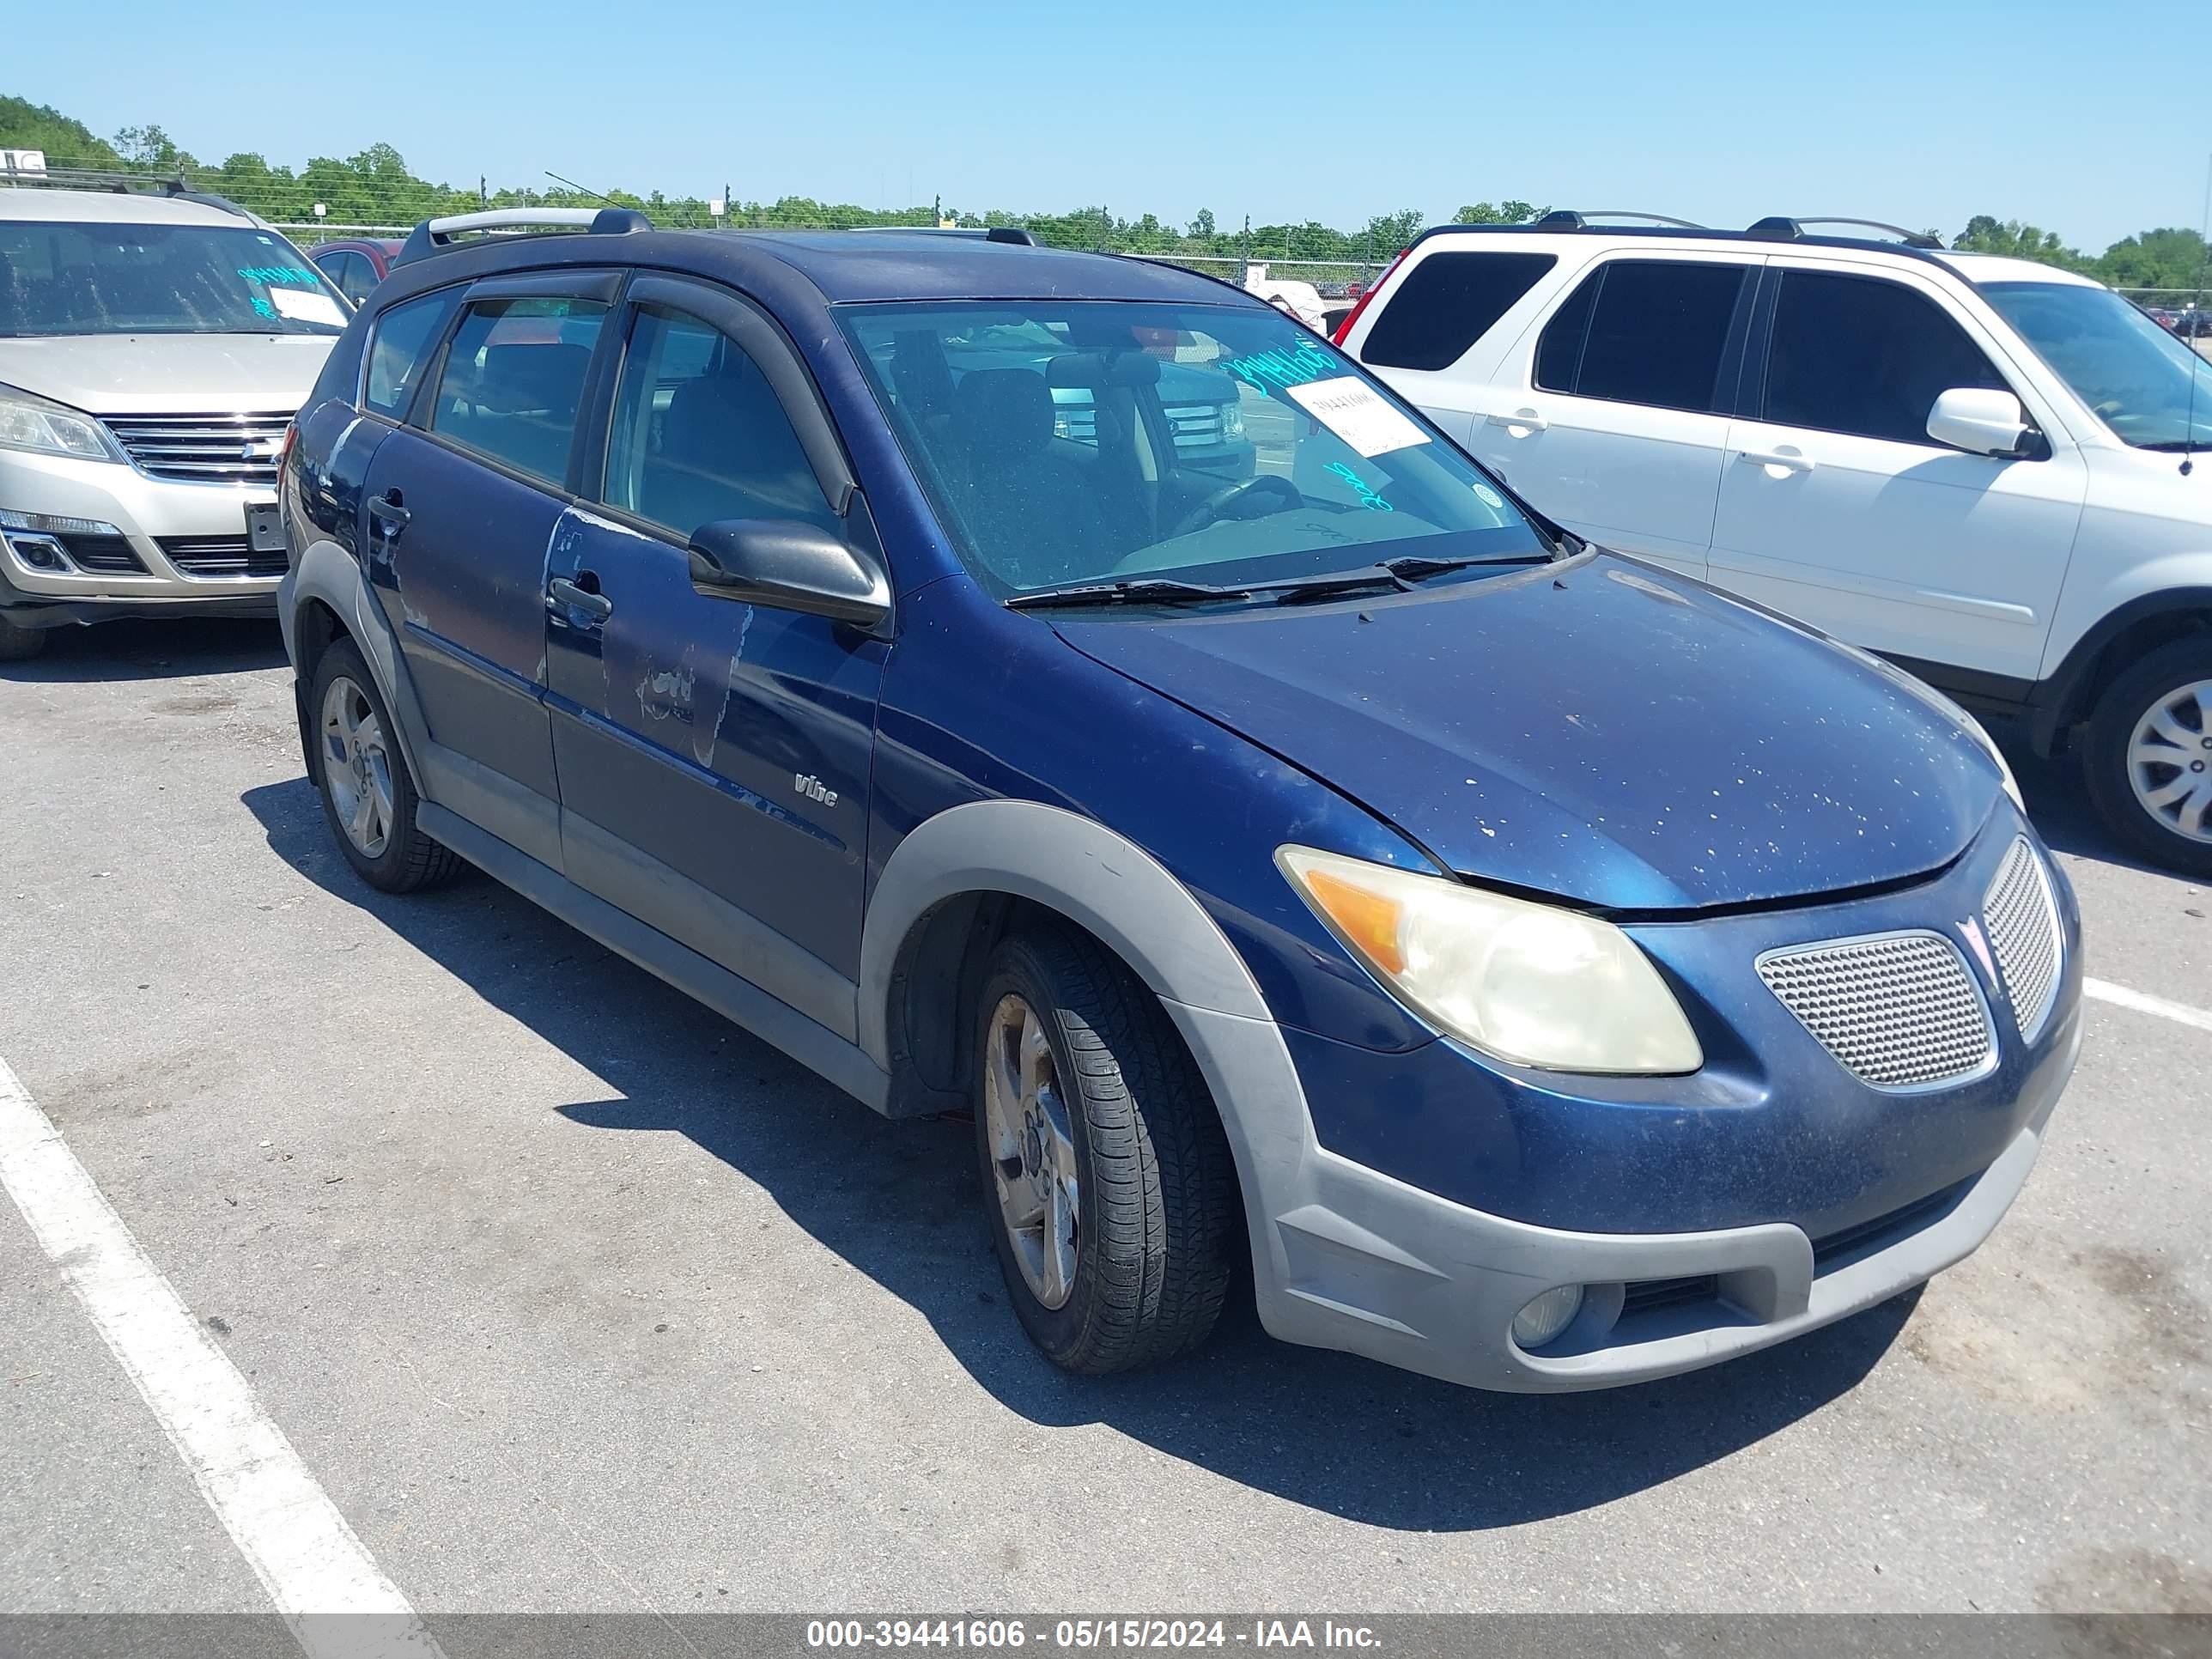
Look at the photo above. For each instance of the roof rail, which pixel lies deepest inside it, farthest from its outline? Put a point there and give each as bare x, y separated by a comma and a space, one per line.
113, 183
1014, 233
1778, 229
1568, 219
436, 235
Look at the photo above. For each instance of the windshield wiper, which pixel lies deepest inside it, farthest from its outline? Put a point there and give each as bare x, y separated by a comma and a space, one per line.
1158, 590
1412, 567
1398, 574
2177, 445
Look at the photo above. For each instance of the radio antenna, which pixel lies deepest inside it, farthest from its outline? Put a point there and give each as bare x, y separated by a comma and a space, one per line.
2196, 374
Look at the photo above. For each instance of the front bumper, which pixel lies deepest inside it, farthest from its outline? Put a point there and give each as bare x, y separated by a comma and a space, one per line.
1364, 1262
147, 512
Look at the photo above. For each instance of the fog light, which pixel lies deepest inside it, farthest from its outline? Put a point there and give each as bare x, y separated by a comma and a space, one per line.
38, 552
1545, 1318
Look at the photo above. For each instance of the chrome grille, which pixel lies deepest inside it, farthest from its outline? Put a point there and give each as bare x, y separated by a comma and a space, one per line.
2021, 913
1195, 426
203, 448
1898, 1010
220, 556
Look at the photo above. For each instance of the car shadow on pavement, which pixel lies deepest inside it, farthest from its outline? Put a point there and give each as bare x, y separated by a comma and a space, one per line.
900, 1202
2058, 805
136, 649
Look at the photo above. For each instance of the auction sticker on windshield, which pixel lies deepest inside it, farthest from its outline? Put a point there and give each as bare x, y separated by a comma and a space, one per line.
1350, 408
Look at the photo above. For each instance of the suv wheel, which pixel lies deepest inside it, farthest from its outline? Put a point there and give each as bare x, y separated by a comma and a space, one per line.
2149, 756
18, 643
367, 796
1113, 1200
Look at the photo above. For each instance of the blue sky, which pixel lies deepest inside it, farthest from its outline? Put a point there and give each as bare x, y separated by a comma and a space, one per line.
2074, 116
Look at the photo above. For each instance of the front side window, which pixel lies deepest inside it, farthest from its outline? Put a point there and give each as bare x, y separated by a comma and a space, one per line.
698, 435
1447, 302
1648, 331
401, 342
351, 271
61, 278
513, 378
2135, 376
1861, 356
1045, 434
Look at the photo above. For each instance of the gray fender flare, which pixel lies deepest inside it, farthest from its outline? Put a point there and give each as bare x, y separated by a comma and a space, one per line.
328, 573
1109, 885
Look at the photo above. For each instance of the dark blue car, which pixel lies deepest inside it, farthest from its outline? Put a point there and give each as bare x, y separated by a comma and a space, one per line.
1530, 967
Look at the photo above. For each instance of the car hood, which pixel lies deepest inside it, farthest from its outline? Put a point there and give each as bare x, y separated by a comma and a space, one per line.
1594, 730
150, 374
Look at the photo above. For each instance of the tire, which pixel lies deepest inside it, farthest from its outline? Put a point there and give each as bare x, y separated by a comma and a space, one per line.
1156, 1225
2170, 678
19, 644
400, 859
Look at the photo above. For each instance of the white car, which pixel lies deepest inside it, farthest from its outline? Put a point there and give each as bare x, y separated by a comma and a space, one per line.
153, 350
1978, 467
1300, 302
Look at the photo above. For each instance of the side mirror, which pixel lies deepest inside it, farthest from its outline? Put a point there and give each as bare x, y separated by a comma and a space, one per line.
790, 567
1981, 422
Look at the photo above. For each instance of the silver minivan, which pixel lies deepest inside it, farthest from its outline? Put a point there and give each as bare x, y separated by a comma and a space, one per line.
153, 350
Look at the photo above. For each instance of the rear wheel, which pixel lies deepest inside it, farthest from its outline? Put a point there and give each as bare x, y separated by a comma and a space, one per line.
1112, 1198
367, 796
2148, 758
16, 644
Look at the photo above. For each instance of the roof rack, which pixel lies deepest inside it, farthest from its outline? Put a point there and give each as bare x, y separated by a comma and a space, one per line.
1568, 219
1778, 229
112, 183
1014, 233
436, 235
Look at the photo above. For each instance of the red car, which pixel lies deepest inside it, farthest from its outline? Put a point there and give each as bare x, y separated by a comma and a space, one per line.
356, 266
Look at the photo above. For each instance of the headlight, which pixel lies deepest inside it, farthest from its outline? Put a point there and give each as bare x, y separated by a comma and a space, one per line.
47, 429
1233, 420
1530, 984
1976, 731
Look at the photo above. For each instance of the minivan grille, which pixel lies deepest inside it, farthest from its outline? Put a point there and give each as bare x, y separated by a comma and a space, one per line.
220, 556
2021, 914
1898, 1010
203, 448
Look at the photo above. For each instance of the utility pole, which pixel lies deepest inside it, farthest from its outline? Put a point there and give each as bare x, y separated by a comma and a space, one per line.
483, 196
1244, 254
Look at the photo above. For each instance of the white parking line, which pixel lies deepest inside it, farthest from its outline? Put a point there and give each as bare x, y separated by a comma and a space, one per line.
289, 1532
2180, 1012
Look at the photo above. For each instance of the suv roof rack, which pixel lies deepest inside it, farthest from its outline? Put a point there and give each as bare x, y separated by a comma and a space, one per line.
1568, 219
1776, 227
436, 235
111, 183
1014, 233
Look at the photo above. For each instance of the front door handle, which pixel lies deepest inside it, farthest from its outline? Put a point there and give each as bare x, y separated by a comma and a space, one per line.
1527, 419
1788, 459
561, 591
390, 509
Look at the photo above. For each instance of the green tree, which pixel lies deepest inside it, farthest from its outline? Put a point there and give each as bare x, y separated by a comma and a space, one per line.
2155, 258
2016, 240
1504, 213
68, 144
150, 147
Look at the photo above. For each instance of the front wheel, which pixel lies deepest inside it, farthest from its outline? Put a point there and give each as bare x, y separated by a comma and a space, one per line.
2148, 758
18, 644
1112, 1198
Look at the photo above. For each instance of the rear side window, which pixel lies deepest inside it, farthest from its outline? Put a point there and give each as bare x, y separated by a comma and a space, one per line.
1858, 355
1446, 303
1644, 331
700, 435
514, 377
404, 337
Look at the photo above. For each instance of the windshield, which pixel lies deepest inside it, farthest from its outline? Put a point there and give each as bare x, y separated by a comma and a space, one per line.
70, 278
1076, 443
2131, 372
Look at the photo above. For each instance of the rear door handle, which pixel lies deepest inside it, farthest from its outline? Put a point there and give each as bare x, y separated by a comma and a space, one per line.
388, 508
1527, 419
1788, 461
562, 591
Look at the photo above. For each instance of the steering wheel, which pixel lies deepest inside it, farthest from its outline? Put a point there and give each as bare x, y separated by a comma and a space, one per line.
1245, 500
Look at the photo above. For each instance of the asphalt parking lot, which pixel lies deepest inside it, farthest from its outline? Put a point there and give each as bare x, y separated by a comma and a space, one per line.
572, 1297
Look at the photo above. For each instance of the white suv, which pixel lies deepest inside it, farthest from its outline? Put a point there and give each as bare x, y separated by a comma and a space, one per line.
1978, 467
152, 352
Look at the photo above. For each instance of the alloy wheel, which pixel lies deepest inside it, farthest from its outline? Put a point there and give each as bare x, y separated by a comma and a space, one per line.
1032, 1150
2170, 761
357, 767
